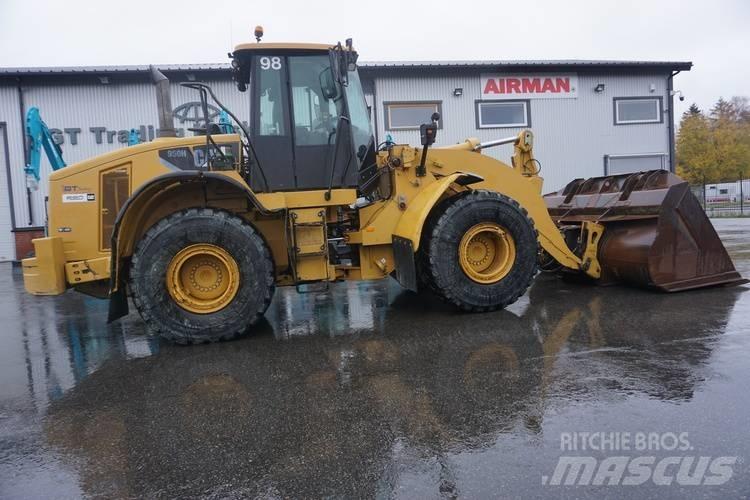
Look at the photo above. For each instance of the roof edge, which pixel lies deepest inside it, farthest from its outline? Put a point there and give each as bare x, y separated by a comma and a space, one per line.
556, 63
365, 65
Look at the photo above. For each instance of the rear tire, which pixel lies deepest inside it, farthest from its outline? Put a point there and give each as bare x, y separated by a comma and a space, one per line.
500, 231
201, 275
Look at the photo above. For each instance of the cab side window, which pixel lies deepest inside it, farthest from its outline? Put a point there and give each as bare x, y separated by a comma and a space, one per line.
270, 91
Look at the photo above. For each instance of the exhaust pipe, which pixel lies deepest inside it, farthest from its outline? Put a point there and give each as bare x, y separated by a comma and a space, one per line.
163, 103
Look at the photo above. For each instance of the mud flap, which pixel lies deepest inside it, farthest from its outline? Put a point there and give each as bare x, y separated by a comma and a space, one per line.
118, 304
403, 255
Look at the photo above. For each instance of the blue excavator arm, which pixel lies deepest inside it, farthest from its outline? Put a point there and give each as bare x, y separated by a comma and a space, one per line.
225, 123
40, 138
133, 137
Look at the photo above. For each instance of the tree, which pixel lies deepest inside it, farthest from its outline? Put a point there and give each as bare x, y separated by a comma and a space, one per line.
716, 147
695, 160
742, 105
731, 130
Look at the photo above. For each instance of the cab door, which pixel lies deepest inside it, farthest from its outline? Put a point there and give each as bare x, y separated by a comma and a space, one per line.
271, 133
322, 145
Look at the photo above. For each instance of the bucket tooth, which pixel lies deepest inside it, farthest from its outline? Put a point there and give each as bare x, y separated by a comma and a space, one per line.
656, 233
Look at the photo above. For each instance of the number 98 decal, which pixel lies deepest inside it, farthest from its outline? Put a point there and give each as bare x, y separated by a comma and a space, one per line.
270, 63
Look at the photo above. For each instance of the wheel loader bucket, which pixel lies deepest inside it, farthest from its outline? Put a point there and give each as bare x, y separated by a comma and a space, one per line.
656, 233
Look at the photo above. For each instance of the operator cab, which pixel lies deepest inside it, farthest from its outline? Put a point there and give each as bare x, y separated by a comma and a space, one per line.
309, 127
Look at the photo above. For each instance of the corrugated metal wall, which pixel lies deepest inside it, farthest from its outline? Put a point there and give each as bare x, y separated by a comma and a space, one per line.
571, 135
9, 113
7, 249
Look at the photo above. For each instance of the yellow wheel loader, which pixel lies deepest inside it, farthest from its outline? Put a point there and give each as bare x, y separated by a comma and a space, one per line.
198, 231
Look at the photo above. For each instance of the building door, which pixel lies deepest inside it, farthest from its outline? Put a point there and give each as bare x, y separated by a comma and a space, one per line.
630, 164
7, 243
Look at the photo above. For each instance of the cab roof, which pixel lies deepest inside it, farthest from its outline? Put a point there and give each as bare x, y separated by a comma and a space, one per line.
263, 46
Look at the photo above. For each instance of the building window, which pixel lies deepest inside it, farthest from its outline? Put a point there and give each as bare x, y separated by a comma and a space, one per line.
410, 115
629, 110
502, 114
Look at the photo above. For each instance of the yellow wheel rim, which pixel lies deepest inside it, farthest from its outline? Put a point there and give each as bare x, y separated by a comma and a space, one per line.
487, 253
203, 278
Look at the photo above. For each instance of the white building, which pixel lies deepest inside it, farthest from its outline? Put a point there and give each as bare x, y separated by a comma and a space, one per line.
728, 192
590, 118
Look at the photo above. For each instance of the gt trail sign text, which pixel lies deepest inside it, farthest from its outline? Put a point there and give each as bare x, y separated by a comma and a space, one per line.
533, 86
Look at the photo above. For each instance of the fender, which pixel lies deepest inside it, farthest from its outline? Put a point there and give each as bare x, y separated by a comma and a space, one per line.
410, 224
123, 235
408, 232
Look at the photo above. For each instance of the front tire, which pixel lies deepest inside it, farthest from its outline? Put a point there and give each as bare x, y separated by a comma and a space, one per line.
481, 251
201, 275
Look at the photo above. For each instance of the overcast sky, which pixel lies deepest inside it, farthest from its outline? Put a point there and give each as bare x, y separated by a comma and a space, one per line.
714, 34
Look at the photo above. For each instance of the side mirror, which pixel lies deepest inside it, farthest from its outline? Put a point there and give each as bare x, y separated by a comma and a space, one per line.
240, 72
328, 84
340, 61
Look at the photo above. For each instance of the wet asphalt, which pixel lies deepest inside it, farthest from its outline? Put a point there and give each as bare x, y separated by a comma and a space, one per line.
370, 391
